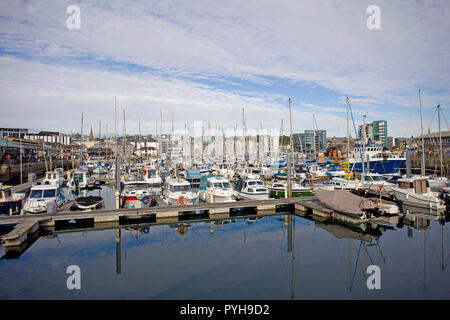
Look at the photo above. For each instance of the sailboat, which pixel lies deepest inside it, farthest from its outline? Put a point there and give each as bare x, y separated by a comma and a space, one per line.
416, 190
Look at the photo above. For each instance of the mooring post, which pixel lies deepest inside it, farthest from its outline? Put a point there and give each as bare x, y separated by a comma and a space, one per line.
408, 163
117, 194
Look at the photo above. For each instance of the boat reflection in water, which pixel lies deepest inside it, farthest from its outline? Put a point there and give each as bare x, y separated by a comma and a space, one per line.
272, 255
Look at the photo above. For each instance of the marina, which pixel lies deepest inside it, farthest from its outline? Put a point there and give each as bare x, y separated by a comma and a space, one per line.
214, 151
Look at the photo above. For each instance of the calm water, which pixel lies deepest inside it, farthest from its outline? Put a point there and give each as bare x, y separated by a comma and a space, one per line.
239, 258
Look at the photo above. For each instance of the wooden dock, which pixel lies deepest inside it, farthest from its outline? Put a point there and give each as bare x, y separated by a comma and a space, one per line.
29, 224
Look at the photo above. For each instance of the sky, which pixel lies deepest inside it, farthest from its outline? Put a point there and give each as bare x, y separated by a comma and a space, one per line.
207, 60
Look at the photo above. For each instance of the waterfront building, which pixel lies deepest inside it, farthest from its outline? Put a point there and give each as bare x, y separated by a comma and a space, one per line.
376, 131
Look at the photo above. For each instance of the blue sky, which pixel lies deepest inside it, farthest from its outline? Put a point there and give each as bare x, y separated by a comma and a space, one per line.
206, 60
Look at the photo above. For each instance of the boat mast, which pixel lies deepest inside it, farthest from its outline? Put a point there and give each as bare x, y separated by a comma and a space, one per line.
440, 140
314, 139
363, 155
422, 163
99, 139
291, 152
348, 138
81, 141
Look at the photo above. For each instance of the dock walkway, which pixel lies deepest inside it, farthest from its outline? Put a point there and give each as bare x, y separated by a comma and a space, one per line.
26, 224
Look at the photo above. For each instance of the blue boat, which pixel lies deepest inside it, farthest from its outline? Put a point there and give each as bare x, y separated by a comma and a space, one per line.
10, 202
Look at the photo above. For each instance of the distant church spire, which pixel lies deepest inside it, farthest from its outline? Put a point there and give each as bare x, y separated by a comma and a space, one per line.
91, 135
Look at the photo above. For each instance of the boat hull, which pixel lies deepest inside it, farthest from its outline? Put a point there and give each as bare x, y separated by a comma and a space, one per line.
382, 166
280, 193
423, 201
13, 206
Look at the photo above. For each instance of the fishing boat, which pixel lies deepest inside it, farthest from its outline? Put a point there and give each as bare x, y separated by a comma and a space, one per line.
216, 189
136, 194
252, 188
152, 176
416, 191
278, 190
10, 202
87, 203
380, 162
179, 192
41, 195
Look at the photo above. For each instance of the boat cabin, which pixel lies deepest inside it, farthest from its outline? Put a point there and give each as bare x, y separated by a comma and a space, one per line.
419, 186
5, 192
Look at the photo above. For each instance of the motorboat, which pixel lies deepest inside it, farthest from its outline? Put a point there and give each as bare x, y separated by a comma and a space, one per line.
40, 197
179, 192
253, 188
54, 177
216, 189
81, 179
152, 176
10, 202
100, 169
136, 194
416, 191
378, 184
279, 188
318, 183
317, 171
342, 183
88, 203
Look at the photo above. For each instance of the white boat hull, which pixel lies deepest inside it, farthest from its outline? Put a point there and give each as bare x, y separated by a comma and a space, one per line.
420, 200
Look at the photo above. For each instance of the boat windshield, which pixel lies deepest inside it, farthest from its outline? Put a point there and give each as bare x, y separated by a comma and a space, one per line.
180, 188
78, 176
222, 185
151, 174
35, 194
49, 193
257, 182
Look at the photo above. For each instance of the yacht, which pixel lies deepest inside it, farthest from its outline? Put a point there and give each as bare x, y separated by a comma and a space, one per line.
10, 202
41, 195
179, 192
416, 191
278, 189
216, 189
252, 188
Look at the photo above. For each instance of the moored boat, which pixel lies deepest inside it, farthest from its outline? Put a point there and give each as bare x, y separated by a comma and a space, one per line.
10, 202
87, 203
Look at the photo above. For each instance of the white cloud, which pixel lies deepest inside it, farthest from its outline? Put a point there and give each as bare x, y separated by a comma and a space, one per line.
323, 44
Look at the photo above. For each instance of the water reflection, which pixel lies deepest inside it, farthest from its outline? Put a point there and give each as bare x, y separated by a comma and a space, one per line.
249, 256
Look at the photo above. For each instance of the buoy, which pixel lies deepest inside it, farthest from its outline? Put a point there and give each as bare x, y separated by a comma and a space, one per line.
145, 200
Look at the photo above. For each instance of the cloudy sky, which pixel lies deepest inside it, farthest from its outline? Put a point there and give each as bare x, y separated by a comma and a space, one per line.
205, 60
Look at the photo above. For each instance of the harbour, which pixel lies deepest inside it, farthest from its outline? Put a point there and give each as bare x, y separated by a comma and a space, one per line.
208, 151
